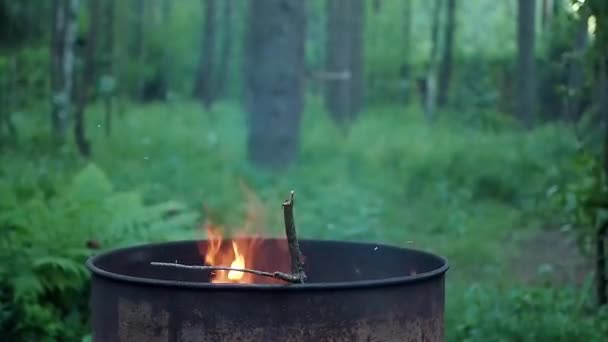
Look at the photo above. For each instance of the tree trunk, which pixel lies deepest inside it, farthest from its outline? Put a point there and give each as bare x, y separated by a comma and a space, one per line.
109, 63
167, 53
275, 80
445, 69
63, 37
526, 87
405, 72
602, 236
548, 11
203, 88
8, 98
344, 90
57, 39
137, 46
430, 85
573, 99
337, 62
87, 80
223, 71
357, 86
377, 4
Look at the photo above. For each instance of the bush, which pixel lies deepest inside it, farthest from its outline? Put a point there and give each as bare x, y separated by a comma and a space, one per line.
529, 314
45, 239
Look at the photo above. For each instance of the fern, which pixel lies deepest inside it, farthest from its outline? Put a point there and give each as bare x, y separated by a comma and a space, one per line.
44, 243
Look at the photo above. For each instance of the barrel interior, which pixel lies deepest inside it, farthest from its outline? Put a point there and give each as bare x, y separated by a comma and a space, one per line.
325, 261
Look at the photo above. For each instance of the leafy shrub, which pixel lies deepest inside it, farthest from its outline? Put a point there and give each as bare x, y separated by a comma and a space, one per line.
44, 242
584, 200
529, 314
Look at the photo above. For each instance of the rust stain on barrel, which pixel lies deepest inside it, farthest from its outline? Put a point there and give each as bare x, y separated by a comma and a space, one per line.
138, 321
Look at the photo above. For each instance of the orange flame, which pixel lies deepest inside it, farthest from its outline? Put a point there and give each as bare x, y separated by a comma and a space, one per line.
244, 250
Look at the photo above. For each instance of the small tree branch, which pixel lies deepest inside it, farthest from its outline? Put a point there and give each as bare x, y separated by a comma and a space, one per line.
278, 275
297, 263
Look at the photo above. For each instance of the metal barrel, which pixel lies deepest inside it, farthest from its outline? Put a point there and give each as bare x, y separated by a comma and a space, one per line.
355, 292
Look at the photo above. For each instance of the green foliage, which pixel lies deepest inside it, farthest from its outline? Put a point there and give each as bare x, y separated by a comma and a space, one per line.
45, 239
529, 314
584, 199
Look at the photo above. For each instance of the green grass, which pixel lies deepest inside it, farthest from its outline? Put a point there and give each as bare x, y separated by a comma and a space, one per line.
461, 191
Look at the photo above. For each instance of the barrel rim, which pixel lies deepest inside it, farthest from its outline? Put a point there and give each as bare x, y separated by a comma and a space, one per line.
419, 277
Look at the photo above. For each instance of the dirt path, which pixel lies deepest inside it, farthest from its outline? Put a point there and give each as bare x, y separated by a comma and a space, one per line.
552, 250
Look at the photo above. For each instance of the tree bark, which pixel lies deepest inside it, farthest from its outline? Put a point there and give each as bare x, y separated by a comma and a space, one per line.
63, 37
275, 80
87, 80
445, 69
223, 69
205, 77
526, 73
344, 92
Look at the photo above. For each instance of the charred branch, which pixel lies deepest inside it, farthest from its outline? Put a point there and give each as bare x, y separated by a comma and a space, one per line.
278, 275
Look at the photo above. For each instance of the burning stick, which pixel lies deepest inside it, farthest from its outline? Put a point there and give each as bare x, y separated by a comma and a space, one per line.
297, 265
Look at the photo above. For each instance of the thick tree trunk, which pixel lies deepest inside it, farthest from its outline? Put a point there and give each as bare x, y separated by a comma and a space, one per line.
445, 69
526, 73
63, 38
203, 88
223, 69
344, 90
87, 80
275, 80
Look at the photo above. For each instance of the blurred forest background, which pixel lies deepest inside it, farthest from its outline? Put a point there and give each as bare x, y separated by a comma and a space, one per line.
471, 128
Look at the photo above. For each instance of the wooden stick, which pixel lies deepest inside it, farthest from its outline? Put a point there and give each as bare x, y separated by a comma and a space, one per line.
279, 275
297, 264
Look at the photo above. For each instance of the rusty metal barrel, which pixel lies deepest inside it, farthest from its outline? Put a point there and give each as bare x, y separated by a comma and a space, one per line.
355, 292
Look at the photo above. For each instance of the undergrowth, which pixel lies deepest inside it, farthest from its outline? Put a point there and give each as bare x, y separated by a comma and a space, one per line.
461, 191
